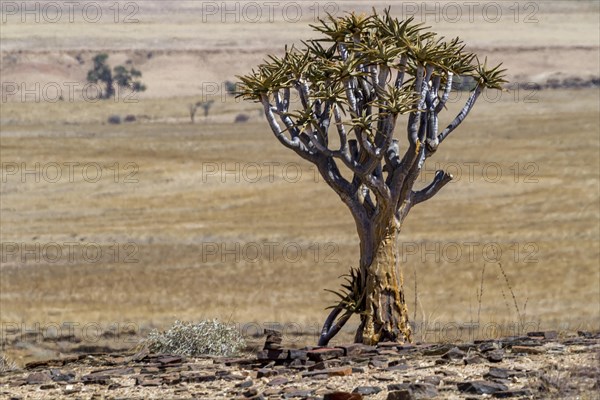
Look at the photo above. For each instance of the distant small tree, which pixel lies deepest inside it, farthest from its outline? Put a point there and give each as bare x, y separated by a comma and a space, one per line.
205, 105
121, 75
192, 108
353, 87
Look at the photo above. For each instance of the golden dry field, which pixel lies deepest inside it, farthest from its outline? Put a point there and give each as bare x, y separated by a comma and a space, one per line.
129, 227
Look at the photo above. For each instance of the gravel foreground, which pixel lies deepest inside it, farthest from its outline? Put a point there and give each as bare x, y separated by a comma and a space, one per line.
537, 366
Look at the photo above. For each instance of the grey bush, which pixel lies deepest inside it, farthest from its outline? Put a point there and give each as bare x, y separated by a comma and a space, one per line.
208, 337
114, 119
241, 118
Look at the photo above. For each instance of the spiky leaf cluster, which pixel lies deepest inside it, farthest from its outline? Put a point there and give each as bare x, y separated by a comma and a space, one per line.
352, 295
350, 46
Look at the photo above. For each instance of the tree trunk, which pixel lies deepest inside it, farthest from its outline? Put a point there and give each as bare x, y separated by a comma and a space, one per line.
386, 314
110, 90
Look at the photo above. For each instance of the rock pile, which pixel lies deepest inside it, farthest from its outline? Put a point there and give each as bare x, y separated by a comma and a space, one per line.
512, 367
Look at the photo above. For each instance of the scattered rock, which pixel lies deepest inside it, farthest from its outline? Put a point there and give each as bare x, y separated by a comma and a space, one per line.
400, 395
342, 396
481, 387
497, 373
303, 394
252, 392
340, 371
197, 377
548, 335
273, 355
244, 384
147, 381
420, 390
495, 356
324, 353
59, 376
36, 378
273, 340
454, 354
378, 363
96, 379
265, 373
488, 346
476, 359
367, 390
512, 393
423, 390
281, 380
437, 350
356, 349
48, 386
324, 365
527, 350
298, 355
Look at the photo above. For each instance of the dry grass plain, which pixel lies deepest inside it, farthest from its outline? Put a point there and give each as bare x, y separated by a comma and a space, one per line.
526, 194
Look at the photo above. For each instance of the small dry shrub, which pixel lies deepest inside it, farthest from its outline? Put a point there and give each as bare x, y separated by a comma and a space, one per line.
208, 337
6, 364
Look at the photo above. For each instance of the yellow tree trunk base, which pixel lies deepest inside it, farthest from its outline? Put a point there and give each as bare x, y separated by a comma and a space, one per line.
386, 316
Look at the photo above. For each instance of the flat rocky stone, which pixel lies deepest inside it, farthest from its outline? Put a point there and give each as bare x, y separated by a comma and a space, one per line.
437, 350
48, 386
298, 354
340, 371
488, 346
324, 365
454, 354
548, 335
498, 373
481, 387
404, 394
59, 376
476, 359
36, 378
367, 390
297, 393
342, 396
197, 377
495, 355
273, 355
356, 349
280, 380
244, 384
417, 390
114, 371
265, 373
96, 379
527, 350
171, 379
325, 353
148, 381
164, 359
512, 393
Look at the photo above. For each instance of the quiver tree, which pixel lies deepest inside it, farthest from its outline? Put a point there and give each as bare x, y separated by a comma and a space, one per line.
351, 87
